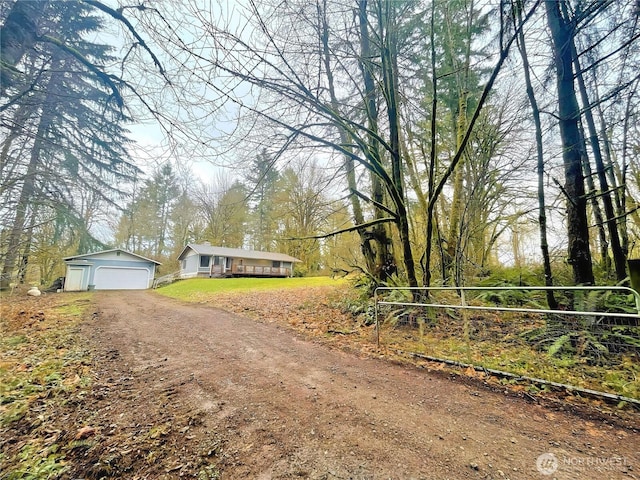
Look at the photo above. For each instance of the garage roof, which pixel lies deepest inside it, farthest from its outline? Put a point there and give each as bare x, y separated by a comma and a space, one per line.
86, 256
207, 249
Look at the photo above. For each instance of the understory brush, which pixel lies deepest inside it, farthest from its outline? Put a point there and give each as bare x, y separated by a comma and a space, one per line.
588, 350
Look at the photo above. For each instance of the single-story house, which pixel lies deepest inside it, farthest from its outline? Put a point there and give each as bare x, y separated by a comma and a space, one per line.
205, 260
109, 270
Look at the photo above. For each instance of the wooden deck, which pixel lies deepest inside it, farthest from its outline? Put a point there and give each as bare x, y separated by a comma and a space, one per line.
250, 271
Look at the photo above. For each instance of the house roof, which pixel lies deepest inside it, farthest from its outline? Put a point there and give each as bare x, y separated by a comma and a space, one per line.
205, 249
103, 252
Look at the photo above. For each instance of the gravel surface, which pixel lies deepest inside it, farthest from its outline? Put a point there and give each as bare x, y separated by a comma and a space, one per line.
223, 396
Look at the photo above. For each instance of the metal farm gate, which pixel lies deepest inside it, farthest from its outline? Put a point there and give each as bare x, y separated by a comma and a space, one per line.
585, 351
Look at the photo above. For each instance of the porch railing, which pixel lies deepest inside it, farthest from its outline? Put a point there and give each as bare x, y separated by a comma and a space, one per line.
258, 270
250, 270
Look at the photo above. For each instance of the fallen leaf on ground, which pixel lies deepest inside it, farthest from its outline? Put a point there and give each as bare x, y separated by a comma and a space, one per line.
85, 432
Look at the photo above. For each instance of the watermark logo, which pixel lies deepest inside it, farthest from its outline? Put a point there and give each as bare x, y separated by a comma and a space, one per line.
547, 464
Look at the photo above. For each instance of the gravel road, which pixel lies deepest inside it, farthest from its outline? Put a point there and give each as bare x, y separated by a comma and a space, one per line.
284, 407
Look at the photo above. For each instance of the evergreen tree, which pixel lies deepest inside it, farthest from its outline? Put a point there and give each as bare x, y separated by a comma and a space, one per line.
67, 125
562, 32
145, 226
232, 216
261, 179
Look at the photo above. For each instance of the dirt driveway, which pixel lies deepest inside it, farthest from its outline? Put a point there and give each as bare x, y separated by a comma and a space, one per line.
241, 399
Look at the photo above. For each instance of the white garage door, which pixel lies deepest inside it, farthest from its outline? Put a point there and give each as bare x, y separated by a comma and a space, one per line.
123, 278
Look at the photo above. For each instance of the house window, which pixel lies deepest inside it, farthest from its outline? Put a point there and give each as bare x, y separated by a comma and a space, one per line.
184, 264
275, 264
204, 261
216, 260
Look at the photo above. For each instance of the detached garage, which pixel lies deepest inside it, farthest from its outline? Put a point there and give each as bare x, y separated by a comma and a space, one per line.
109, 270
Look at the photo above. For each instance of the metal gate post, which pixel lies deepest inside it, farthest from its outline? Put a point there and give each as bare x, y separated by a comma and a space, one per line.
465, 319
375, 302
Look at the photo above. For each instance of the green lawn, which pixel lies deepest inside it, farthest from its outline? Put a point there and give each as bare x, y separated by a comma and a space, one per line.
193, 289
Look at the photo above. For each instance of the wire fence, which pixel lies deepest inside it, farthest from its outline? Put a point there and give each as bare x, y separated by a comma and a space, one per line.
590, 345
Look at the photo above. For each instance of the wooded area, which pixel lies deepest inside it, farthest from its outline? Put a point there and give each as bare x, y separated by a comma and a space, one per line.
417, 142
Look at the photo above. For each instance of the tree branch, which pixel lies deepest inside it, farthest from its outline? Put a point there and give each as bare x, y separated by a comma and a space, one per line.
106, 79
345, 230
117, 14
377, 204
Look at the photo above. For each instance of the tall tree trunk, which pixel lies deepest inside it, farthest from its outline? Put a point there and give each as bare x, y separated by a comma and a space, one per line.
26, 250
432, 153
613, 181
542, 209
27, 196
592, 195
454, 268
579, 253
7, 168
349, 166
625, 158
453, 239
619, 257
412, 169
436, 189
390, 83
380, 234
